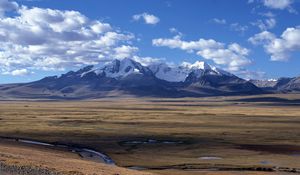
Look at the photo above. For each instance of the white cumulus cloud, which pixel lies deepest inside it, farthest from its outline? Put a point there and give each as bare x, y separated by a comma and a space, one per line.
280, 48
233, 56
18, 72
125, 52
253, 75
278, 4
148, 18
49, 39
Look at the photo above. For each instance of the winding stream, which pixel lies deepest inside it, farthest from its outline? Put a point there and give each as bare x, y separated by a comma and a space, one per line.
85, 153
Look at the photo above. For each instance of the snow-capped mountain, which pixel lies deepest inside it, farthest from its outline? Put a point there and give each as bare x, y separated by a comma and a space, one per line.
130, 77
203, 67
119, 69
270, 83
283, 85
180, 73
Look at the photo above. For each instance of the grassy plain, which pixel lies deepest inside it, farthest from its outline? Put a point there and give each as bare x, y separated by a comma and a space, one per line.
169, 136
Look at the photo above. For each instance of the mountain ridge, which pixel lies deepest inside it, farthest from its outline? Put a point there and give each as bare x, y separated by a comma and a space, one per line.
129, 77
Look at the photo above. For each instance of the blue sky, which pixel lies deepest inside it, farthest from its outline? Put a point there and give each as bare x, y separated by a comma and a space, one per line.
253, 39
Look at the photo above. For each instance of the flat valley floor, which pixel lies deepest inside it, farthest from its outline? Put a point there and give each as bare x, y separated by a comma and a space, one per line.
181, 136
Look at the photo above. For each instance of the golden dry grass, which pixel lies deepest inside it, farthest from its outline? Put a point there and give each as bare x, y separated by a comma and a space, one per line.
217, 126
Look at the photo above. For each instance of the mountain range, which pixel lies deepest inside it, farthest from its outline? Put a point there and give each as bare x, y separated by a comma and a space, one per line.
282, 85
127, 77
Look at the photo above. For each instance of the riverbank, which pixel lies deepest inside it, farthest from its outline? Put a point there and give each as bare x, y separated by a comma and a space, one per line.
84, 153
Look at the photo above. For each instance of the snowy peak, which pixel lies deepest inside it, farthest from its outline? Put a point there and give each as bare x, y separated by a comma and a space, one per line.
204, 67
200, 65
180, 73
120, 68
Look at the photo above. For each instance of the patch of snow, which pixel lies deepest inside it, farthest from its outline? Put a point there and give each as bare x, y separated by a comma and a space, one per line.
171, 74
274, 80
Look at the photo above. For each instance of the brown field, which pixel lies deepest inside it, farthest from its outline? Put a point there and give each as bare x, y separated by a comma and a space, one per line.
186, 136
